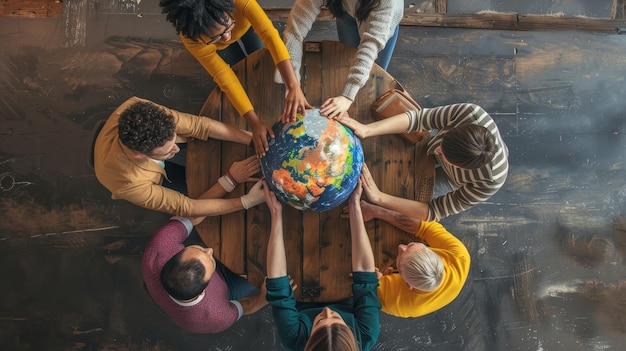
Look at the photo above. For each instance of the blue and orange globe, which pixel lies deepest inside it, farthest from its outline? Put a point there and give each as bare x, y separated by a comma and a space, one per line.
314, 163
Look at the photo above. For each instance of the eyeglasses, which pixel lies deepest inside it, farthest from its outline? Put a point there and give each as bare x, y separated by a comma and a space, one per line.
216, 38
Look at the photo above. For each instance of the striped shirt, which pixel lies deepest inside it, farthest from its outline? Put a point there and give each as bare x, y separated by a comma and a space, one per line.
473, 185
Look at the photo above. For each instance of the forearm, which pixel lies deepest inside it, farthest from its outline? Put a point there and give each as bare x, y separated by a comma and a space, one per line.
407, 223
214, 192
251, 304
362, 254
393, 125
276, 255
411, 208
228, 132
252, 119
288, 74
215, 207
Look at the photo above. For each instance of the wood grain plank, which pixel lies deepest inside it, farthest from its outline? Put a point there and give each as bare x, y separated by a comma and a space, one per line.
266, 99
335, 231
202, 174
233, 225
311, 230
31, 8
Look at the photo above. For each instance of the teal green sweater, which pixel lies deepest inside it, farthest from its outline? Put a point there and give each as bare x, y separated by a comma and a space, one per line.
294, 322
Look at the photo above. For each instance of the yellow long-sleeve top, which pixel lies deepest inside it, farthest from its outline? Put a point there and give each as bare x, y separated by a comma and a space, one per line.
247, 13
398, 300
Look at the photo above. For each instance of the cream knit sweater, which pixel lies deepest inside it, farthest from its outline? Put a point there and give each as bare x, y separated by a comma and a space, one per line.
374, 33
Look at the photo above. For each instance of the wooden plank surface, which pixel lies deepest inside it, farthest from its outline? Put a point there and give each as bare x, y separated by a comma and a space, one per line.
311, 267
491, 20
31, 8
318, 244
200, 174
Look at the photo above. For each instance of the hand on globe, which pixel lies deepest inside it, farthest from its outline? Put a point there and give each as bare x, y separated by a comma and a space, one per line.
259, 137
334, 107
370, 188
295, 103
359, 129
272, 202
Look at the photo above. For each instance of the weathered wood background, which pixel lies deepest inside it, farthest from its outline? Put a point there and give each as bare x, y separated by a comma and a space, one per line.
548, 249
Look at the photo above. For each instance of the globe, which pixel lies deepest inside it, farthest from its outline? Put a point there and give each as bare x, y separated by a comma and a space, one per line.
314, 163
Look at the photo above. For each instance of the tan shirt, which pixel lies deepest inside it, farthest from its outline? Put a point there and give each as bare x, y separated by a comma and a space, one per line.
138, 180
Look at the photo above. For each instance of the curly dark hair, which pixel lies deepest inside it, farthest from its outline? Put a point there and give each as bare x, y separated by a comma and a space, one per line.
144, 126
195, 17
362, 12
183, 280
469, 146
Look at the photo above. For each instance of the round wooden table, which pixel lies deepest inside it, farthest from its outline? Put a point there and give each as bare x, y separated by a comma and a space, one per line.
318, 244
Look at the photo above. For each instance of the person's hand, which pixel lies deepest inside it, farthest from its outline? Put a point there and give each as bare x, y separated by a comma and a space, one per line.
334, 107
378, 274
294, 102
254, 197
355, 197
367, 210
293, 284
272, 202
242, 171
359, 129
259, 137
370, 188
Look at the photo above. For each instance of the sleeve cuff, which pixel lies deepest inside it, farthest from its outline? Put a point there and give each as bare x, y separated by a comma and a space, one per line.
276, 283
364, 277
185, 221
239, 308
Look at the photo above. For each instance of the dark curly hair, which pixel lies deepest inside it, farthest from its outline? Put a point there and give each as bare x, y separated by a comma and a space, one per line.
183, 280
469, 146
144, 126
195, 17
362, 12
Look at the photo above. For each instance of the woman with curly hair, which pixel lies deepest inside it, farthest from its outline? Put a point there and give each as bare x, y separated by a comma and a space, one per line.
209, 27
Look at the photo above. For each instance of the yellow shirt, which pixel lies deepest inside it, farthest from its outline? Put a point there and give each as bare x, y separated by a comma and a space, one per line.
396, 297
138, 180
247, 13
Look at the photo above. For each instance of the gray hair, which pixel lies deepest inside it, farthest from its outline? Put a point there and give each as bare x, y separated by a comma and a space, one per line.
421, 269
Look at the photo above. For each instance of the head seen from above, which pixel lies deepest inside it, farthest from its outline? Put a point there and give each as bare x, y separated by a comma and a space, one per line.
148, 130
468, 146
330, 332
194, 18
420, 267
187, 274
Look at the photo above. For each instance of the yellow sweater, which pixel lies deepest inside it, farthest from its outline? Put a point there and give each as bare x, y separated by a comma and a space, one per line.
247, 13
396, 297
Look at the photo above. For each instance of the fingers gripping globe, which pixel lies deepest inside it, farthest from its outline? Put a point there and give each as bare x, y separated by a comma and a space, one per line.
314, 163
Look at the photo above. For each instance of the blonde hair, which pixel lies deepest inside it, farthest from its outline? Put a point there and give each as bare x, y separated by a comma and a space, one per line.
422, 270
335, 336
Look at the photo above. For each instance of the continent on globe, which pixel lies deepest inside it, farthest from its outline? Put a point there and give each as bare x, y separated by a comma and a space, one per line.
314, 163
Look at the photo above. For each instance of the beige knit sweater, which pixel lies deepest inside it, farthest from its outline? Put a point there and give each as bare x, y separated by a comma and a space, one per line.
374, 33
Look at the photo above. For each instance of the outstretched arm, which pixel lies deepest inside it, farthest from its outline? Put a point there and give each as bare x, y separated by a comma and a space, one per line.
294, 98
215, 207
415, 209
409, 224
276, 255
362, 254
393, 125
251, 304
